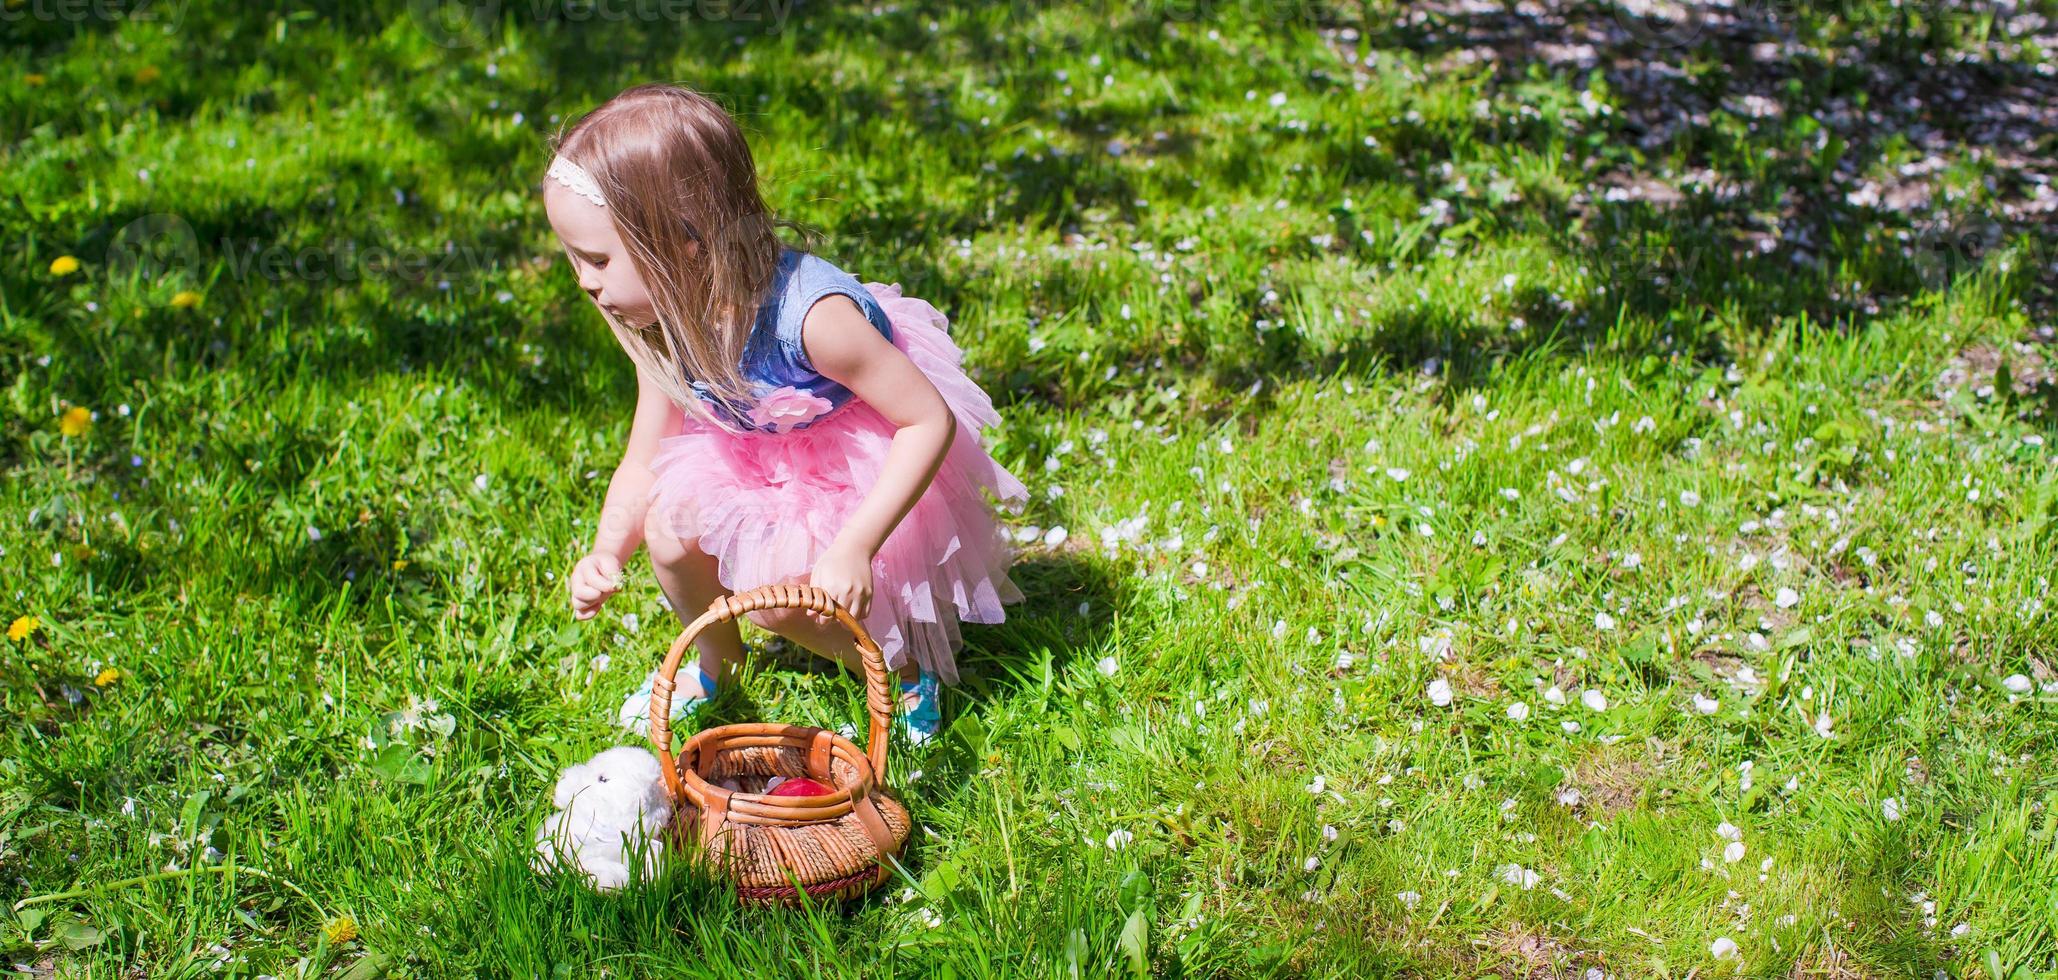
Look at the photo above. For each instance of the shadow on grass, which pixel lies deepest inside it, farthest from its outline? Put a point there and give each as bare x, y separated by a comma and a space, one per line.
1046, 627
685, 922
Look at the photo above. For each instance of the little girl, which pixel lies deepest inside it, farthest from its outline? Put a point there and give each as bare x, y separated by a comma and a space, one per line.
791, 424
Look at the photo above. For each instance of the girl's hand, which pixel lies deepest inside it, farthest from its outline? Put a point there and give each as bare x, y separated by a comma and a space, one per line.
593, 579
847, 576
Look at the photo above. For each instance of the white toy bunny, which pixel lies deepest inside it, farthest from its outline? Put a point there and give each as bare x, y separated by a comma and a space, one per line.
608, 808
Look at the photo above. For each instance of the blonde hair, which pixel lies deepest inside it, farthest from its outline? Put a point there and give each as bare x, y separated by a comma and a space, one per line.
677, 173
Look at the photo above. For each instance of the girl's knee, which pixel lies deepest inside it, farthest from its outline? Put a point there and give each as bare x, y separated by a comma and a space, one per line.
661, 535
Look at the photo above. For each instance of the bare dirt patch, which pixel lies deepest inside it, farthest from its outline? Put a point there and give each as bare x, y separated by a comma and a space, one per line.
1531, 953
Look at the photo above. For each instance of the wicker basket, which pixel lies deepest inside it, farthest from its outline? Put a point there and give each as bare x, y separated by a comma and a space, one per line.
834, 846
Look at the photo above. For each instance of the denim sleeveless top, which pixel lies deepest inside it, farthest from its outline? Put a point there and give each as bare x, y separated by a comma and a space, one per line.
787, 392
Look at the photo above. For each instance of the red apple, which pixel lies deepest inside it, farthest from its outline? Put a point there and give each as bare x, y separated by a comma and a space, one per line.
801, 786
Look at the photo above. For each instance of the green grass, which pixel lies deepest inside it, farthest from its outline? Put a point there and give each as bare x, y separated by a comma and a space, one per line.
1338, 393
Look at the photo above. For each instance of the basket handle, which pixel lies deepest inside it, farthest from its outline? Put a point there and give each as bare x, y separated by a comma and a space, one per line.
879, 699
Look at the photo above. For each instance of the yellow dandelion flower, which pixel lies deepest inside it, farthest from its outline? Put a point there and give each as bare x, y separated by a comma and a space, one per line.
400, 564
63, 265
185, 299
147, 74
22, 626
75, 421
34, 79
340, 929
106, 677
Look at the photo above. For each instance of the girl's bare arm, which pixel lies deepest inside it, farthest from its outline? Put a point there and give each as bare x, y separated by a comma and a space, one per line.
628, 493
845, 347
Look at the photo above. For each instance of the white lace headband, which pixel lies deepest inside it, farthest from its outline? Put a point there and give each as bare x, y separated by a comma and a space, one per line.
575, 177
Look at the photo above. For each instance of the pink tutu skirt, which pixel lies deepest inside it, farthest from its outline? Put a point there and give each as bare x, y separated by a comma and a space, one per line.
769, 504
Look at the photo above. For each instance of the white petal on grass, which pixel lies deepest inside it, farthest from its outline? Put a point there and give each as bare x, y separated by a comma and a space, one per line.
2017, 684
1786, 598
1055, 536
1519, 711
1728, 831
1890, 809
1570, 727
1317, 785
1723, 948
1603, 621
1396, 474
1440, 692
1706, 705
1688, 498
1554, 695
1107, 666
1594, 700
1409, 900
1734, 852
1119, 838
1516, 874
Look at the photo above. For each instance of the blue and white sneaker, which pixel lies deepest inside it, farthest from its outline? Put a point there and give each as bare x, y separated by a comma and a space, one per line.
635, 713
920, 721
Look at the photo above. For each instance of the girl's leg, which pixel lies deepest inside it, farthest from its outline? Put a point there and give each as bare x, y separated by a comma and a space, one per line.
688, 577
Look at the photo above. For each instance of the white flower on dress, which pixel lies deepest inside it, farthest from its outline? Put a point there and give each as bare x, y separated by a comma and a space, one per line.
786, 407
